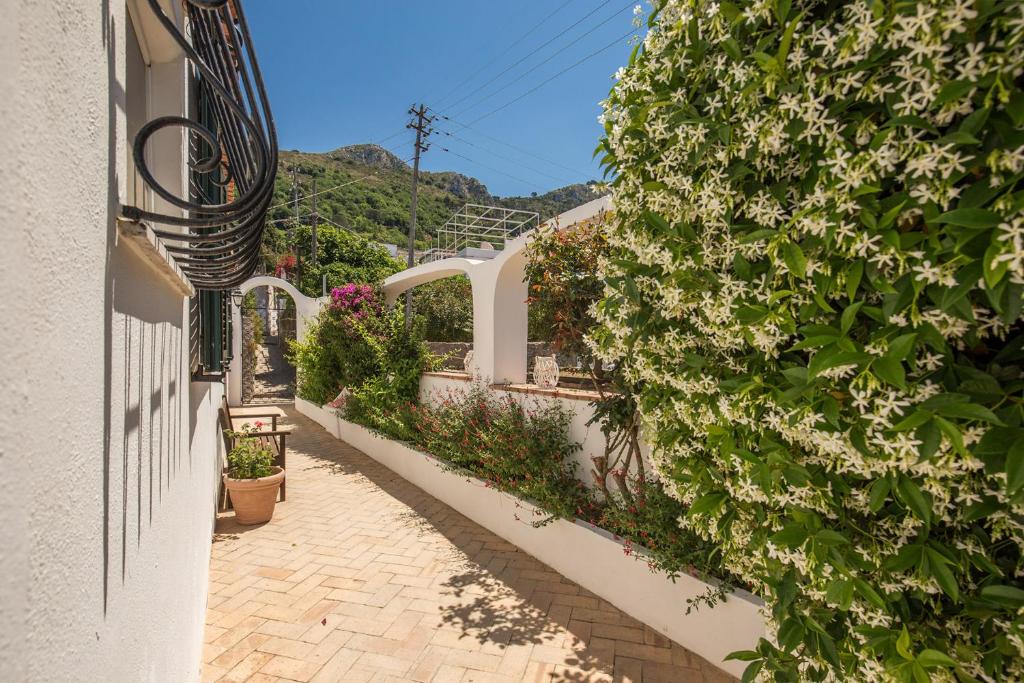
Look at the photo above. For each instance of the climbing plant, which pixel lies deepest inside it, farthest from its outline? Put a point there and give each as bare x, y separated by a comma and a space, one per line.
561, 270
815, 285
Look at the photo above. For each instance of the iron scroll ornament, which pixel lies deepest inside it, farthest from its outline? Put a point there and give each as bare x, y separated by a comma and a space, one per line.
235, 151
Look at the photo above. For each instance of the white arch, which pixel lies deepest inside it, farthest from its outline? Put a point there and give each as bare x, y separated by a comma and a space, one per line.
499, 297
270, 281
306, 308
424, 273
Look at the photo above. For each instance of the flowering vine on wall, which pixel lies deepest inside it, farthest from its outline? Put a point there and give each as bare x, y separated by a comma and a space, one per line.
817, 277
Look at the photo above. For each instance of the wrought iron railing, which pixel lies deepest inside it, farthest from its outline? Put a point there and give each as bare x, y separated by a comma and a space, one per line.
233, 161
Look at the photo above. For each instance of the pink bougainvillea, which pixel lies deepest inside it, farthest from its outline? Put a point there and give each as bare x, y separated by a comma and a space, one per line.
358, 300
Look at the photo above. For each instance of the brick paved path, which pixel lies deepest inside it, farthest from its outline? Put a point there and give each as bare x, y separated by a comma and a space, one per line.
361, 576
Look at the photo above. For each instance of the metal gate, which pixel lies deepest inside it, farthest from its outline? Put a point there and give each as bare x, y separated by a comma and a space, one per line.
267, 376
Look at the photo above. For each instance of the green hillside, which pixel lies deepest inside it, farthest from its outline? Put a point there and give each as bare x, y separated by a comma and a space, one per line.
378, 207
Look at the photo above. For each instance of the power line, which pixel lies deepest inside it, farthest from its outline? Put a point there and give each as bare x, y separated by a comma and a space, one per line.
533, 52
496, 170
331, 189
393, 135
545, 82
505, 51
535, 66
522, 150
500, 156
325, 218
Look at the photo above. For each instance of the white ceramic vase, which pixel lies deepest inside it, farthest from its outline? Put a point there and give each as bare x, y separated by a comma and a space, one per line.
545, 372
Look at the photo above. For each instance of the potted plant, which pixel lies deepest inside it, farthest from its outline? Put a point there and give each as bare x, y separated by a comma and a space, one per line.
252, 479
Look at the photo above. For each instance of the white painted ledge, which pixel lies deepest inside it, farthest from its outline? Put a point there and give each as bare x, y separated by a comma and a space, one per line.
579, 551
141, 239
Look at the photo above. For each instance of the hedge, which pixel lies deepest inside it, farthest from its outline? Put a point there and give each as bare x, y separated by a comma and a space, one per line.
816, 280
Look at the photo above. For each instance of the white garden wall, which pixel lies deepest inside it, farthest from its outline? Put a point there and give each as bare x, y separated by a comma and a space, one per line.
108, 452
579, 551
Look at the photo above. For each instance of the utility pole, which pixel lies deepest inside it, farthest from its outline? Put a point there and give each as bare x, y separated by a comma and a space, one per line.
295, 204
421, 125
316, 219
293, 239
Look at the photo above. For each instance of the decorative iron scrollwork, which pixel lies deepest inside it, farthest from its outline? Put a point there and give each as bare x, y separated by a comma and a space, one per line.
232, 154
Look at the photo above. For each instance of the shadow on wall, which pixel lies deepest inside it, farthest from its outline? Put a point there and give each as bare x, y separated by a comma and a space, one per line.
116, 101
145, 399
147, 388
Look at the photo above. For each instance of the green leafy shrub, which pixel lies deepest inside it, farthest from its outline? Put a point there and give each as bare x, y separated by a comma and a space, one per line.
248, 458
516, 449
336, 353
816, 286
446, 308
342, 256
561, 268
382, 400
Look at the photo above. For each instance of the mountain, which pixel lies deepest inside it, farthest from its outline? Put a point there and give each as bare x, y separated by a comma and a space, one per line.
368, 155
367, 188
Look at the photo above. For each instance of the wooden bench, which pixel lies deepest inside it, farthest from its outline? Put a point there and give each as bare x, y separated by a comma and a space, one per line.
273, 439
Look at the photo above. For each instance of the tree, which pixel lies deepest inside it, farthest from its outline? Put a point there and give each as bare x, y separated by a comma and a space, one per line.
564, 284
446, 307
343, 257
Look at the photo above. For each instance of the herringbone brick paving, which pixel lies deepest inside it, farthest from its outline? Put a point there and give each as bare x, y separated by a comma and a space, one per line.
361, 576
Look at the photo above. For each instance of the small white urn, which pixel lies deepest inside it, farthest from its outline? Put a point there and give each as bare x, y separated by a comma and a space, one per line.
545, 372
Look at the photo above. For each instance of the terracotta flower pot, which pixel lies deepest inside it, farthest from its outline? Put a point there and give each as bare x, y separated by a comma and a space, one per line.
254, 499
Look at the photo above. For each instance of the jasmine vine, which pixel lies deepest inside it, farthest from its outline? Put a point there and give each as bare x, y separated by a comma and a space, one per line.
816, 278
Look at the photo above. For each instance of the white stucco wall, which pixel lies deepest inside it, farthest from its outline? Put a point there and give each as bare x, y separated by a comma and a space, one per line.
109, 456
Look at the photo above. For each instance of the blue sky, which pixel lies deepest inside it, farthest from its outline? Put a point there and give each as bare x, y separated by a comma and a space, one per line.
342, 72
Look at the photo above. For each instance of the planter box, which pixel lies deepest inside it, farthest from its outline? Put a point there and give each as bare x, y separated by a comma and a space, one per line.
579, 551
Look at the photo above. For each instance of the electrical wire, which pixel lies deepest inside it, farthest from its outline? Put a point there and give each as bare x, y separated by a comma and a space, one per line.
536, 66
505, 158
393, 135
545, 82
522, 150
505, 51
291, 202
491, 168
529, 54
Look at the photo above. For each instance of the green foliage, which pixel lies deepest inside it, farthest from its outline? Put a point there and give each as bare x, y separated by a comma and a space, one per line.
562, 271
337, 352
253, 313
816, 287
357, 349
651, 520
515, 449
378, 206
333, 356
248, 458
381, 400
446, 309
343, 257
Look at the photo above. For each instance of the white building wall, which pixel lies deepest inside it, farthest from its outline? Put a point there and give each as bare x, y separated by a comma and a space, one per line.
109, 456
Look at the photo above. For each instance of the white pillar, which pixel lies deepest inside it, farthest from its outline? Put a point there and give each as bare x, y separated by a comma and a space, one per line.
500, 319
235, 369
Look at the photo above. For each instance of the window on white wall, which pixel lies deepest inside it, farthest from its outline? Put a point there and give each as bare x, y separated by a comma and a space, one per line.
136, 112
